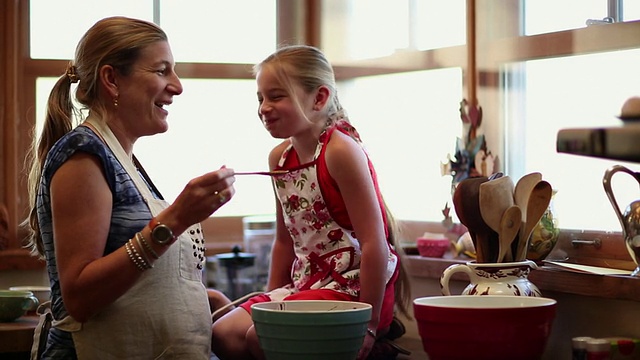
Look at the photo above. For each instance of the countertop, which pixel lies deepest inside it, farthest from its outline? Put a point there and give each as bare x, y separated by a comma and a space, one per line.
17, 336
547, 278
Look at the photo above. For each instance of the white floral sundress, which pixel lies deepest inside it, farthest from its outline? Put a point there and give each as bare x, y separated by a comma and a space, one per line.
327, 254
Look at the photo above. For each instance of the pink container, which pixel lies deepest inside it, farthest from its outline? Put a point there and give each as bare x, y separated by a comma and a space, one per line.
430, 247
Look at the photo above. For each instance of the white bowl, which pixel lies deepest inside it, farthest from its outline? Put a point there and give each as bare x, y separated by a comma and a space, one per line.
42, 293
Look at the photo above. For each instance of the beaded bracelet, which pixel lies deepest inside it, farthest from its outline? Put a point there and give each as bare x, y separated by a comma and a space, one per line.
135, 261
145, 262
140, 238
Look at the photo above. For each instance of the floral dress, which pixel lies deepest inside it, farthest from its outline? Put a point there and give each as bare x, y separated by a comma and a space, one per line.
327, 251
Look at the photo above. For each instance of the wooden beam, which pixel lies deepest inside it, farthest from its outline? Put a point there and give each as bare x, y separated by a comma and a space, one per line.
471, 73
9, 109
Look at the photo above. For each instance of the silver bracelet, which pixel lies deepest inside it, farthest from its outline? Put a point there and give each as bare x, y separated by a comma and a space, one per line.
142, 252
145, 263
146, 245
371, 332
135, 261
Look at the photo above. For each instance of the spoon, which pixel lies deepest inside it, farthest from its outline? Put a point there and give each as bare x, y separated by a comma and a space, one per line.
509, 226
496, 196
268, 173
537, 204
522, 190
521, 194
466, 203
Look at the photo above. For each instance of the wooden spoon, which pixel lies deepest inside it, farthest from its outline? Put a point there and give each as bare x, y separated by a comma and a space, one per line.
496, 196
509, 226
466, 204
521, 195
523, 188
537, 204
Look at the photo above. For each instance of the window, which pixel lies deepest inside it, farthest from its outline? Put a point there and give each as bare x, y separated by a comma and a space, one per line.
218, 31
409, 124
56, 26
199, 30
362, 29
585, 96
214, 122
563, 83
544, 16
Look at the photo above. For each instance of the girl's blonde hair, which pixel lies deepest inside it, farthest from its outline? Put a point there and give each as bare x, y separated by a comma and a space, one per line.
115, 41
307, 67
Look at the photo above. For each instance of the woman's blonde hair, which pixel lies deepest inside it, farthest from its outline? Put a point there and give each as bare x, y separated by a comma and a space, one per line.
115, 41
308, 67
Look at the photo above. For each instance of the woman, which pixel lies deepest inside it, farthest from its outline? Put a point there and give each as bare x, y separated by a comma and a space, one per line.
334, 237
125, 267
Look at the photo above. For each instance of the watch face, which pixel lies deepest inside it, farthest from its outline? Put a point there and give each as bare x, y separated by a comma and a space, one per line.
162, 234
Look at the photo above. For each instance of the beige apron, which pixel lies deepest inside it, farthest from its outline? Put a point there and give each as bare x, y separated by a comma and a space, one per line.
166, 314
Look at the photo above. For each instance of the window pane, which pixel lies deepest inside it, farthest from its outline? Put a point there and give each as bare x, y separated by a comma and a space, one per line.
56, 26
212, 124
220, 31
631, 10
407, 122
572, 92
543, 16
359, 29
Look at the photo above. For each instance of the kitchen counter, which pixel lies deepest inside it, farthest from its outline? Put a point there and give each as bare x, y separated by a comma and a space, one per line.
588, 304
16, 337
546, 278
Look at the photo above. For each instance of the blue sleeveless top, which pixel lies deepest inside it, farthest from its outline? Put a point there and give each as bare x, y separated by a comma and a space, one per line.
129, 214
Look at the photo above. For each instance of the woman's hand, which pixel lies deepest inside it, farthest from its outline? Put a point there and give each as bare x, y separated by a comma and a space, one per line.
201, 197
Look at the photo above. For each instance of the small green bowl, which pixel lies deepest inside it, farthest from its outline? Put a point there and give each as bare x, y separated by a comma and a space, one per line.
311, 329
14, 304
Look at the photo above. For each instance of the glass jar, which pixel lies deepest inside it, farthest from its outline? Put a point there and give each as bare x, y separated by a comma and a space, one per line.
259, 232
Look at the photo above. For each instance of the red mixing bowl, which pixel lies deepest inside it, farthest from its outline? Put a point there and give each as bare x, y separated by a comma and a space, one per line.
489, 327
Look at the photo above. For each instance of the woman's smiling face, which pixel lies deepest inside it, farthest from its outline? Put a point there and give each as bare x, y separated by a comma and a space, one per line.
144, 93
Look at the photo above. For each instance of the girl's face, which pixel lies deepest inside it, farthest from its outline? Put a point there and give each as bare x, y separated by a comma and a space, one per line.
145, 92
278, 109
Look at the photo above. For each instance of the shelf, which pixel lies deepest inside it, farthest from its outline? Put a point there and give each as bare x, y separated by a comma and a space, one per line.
545, 278
19, 259
615, 143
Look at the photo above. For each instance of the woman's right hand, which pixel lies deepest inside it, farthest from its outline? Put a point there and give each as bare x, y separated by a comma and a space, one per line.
200, 198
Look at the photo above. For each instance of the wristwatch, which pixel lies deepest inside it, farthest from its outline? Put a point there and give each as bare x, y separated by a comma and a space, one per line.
160, 233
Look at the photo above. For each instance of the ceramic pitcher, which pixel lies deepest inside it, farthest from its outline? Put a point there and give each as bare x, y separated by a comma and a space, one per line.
510, 278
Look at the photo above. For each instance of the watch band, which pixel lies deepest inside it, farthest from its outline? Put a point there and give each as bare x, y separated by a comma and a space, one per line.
153, 223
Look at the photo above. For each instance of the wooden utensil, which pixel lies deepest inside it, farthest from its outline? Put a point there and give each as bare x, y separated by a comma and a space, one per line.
496, 196
536, 206
466, 204
509, 226
522, 190
521, 194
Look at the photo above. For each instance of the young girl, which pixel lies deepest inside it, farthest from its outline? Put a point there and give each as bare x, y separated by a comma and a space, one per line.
333, 236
